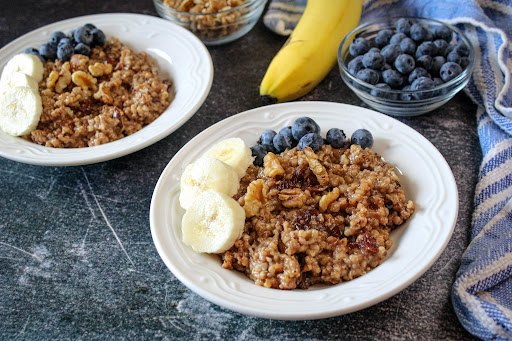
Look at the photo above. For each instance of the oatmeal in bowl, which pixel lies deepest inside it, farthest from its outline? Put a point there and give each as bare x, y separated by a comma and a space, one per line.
316, 211
90, 90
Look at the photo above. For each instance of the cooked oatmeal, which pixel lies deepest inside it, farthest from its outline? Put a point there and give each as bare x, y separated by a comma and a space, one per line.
321, 217
92, 101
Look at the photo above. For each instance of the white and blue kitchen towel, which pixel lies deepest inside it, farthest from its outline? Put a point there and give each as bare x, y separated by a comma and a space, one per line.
482, 292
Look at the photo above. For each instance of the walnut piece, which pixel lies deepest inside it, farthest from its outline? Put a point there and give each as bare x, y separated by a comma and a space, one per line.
272, 166
328, 198
255, 197
52, 79
104, 95
83, 79
292, 197
64, 78
100, 69
316, 167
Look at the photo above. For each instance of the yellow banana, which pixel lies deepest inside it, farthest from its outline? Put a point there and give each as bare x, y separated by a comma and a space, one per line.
310, 52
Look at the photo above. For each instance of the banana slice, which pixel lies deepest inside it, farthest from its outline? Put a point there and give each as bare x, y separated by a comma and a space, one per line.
234, 152
16, 78
26, 63
213, 223
20, 110
207, 174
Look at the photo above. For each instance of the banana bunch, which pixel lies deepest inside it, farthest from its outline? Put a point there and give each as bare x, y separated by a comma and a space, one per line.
214, 220
311, 50
20, 101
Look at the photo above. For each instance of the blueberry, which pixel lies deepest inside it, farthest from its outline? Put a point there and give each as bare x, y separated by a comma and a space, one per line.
408, 46
464, 62
286, 131
270, 148
83, 49
383, 94
355, 65
303, 126
404, 63
359, 47
374, 49
34, 51
443, 32
31, 50
373, 60
65, 51
56, 37
282, 142
461, 49
267, 136
403, 26
98, 37
48, 51
390, 52
417, 73
369, 76
386, 67
90, 26
449, 71
71, 35
424, 62
442, 47
393, 78
363, 138
259, 152
83, 35
406, 96
312, 140
437, 63
383, 36
420, 32
426, 48
335, 137
397, 38
453, 57
65, 41
422, 83
438, 81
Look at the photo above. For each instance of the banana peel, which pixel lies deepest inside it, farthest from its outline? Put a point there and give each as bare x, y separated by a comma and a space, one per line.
311, 50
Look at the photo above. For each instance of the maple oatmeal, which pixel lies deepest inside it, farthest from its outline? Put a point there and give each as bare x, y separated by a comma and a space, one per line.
321, 217
88, 101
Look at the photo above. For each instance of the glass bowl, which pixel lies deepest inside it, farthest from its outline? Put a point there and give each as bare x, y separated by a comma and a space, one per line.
389, 101
215, 28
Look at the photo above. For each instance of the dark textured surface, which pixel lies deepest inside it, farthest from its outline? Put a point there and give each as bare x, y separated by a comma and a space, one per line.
64, 275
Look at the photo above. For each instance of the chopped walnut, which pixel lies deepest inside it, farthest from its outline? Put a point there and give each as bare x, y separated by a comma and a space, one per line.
255, 197
79, 62
272, 166
316, 167
328, 198
64, 78
104, 95
83, 79
100, 69
52, 79
292, 197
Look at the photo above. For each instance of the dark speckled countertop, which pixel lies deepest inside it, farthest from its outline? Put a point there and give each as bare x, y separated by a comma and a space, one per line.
63, 274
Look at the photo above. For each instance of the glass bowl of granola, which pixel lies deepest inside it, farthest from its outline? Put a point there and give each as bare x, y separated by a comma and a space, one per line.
215, 22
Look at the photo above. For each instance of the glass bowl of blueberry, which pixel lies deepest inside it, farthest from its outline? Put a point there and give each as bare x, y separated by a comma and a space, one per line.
406, 66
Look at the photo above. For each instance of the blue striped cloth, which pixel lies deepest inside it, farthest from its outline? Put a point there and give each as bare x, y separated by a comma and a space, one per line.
482, 292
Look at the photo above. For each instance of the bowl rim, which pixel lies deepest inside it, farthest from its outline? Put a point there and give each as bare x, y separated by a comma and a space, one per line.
177, 12
466, 73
